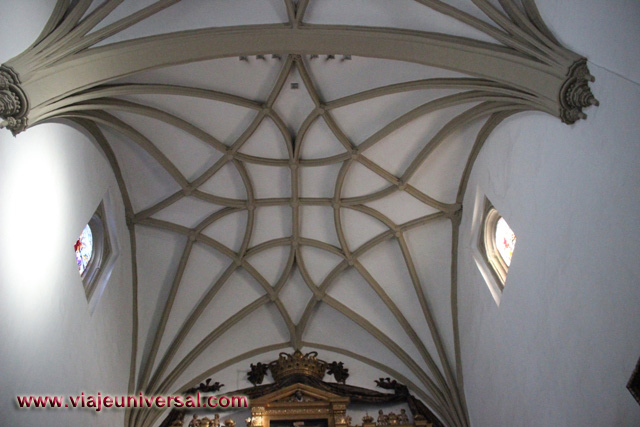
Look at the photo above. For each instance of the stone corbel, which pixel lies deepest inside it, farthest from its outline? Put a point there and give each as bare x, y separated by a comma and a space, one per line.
14, 104
575, 93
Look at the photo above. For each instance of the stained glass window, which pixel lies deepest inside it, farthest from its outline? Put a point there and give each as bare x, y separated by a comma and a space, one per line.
499, 244
96, 250
505, 240
84, 249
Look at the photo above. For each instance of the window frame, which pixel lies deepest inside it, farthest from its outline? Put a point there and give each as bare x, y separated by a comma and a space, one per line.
490, 253
106, 250
482, 206
101, 251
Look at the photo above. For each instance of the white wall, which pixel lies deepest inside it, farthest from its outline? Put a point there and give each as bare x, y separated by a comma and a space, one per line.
52, 178
563, 343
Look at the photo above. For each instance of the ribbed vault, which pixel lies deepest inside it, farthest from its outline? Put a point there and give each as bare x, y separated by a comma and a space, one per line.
253, 205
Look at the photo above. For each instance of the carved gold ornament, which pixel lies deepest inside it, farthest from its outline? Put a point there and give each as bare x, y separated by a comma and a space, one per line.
298, 364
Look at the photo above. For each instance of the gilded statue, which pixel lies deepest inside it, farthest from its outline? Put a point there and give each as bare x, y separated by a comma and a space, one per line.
403, 418
392, 419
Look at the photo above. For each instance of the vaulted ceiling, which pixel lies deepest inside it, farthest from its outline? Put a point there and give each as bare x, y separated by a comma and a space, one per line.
293, 172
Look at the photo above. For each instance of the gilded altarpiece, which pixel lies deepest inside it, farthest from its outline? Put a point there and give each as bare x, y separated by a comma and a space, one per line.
298, 403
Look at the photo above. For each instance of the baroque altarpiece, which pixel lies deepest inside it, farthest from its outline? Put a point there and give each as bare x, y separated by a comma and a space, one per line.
299, 397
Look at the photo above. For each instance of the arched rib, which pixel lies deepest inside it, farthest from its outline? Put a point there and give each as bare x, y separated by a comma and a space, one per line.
325, 161
431, 323
291, 11
534, 15
300, 11
71, 16
319, 244
185, 231
514, 30
154, 415
57, 15
239, 358
116, 104
495, 33
494, 120
436, 392
469, 84
148, 362
303, 131
473, 113
280, 81
405, 325
126, 89
128, 131
449, 52
106, 32
413, 191
86, 25
208, 340
251, 216
424, 109
188, 324
361, 250
218, 200
524, 21
308, 83
455, 235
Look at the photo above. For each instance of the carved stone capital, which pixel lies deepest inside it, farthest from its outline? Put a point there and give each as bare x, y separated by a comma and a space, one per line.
14, 104
9, 103
575, 93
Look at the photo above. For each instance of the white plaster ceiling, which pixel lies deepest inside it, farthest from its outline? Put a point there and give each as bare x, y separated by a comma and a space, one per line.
367, 295
438, 178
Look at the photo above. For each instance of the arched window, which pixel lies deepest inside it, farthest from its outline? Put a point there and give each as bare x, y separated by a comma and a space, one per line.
499, 243
84, 249
92, 248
